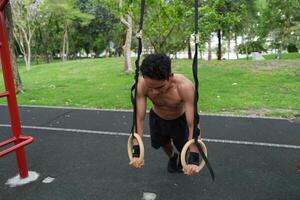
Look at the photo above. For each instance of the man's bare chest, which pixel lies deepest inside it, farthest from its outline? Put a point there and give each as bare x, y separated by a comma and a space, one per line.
170, 99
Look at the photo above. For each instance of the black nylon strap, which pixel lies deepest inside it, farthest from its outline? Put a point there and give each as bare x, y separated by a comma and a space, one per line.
137, 69
197, 131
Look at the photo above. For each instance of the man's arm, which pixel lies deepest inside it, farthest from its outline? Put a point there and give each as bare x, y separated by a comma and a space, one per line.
141, 107
187, 94
136, 162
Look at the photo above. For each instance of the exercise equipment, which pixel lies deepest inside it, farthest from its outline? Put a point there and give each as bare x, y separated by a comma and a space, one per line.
134, 91
18, 139
197, 131
130, 145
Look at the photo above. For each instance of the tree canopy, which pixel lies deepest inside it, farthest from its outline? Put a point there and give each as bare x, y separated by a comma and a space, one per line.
71, 28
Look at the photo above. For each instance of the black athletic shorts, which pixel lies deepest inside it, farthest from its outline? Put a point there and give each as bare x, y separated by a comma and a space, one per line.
163, 131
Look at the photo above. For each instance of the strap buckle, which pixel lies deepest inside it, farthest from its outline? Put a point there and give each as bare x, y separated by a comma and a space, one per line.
139, 34
197, 38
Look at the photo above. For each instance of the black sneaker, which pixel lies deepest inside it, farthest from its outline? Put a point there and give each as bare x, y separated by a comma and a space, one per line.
172, 164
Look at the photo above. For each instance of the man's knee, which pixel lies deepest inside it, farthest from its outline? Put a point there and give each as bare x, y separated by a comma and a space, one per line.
161, 143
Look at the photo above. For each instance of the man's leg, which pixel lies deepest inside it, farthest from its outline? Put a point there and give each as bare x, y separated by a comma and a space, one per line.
180, 137
172, 164
160, 139
169, 150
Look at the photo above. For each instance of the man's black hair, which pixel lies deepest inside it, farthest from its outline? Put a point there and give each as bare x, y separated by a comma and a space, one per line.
156, 66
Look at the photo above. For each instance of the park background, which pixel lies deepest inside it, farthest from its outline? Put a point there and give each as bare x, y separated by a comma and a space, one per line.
80, 53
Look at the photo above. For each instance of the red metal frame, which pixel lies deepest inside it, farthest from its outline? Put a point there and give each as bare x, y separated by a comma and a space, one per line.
18, 139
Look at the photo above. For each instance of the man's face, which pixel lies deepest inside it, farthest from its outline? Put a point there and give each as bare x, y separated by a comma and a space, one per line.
156, 87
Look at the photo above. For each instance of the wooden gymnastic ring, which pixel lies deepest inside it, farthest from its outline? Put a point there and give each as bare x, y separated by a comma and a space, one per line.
130, 145
185, 148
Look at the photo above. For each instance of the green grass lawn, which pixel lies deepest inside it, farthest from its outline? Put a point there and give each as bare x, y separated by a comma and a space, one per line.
284, 56
269, 88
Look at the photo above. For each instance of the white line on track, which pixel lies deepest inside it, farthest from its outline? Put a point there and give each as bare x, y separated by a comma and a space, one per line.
273, 145
130, 110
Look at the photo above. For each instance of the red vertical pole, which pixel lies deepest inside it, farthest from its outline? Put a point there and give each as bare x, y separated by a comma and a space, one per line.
10, 87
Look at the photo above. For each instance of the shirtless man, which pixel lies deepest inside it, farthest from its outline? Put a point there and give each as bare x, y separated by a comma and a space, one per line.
172, 116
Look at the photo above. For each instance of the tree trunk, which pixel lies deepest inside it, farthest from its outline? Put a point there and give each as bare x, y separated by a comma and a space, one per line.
280, 48
285, 31
9, 25
46, 57
245, 45
228, 47
127, 45
28, 64
209, 47
219, 45
201, 54
65, 48
236, 46
283, 36
22, 35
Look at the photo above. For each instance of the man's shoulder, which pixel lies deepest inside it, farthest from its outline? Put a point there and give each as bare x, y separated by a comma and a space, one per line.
141, 78
184, 86
141, 86
181, 80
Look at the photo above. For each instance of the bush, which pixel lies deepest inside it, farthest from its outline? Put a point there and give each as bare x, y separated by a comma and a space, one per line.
252, 46
292, 48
